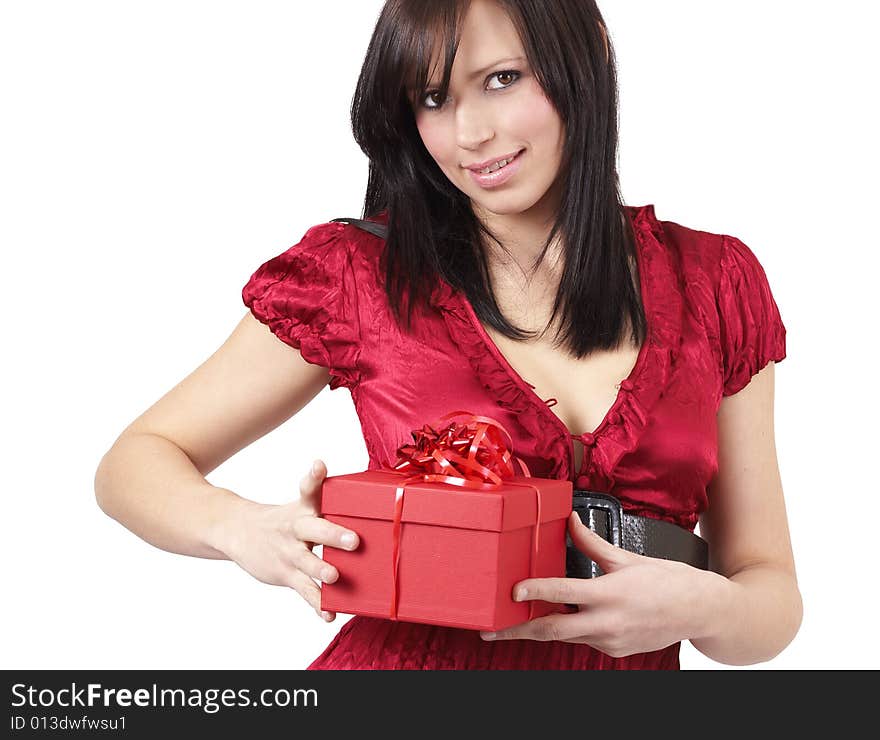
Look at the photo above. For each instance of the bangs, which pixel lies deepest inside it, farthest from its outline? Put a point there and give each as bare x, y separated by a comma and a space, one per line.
427, 29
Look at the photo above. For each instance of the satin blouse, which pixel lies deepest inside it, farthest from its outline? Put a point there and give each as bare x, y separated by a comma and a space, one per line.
712, 324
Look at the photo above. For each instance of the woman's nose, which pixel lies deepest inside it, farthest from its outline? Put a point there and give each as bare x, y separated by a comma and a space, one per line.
473, 128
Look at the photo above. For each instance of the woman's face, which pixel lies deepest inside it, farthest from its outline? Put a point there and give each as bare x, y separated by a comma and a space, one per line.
495, 109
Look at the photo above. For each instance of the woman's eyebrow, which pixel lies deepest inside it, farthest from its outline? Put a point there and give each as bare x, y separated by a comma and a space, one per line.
495, 64
485, 69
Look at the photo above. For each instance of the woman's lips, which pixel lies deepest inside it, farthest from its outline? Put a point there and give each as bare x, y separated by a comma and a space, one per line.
499, 177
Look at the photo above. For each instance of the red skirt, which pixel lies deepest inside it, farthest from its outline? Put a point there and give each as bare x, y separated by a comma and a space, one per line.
370, 643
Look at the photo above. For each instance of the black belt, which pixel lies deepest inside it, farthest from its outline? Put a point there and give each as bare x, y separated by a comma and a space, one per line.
656, 538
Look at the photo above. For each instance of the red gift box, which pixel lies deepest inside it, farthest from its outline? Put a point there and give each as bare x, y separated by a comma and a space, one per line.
441, 553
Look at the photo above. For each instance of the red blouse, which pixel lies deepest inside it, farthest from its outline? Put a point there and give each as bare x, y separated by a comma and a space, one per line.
712, 325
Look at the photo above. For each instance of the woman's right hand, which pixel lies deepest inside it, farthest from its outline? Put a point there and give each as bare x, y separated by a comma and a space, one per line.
274, 542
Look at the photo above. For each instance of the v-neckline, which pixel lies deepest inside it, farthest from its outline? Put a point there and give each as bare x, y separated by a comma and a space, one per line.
620, 430
627, 385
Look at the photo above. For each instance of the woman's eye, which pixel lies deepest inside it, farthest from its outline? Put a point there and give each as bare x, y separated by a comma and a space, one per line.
430, 96
506, 78
507, 74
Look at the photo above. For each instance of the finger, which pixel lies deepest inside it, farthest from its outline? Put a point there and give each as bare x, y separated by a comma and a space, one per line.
311, 484
313, 566
320, 531
559, 590
551, 628
595, 547
306, 588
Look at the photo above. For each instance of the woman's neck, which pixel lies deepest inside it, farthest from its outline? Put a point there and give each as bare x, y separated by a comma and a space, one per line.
522, 236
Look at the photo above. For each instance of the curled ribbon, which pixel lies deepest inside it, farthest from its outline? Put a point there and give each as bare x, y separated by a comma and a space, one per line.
473, 454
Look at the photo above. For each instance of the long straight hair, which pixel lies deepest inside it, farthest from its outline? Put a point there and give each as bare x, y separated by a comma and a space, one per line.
432, 229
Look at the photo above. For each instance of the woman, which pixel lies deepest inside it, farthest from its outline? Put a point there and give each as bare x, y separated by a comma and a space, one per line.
491, 133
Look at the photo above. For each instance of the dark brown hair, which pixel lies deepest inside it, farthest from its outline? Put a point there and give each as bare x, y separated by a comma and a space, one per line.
432, 230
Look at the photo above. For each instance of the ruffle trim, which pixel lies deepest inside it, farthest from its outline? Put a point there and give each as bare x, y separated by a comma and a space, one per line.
372, 643
752, 331
298, 296
620, 430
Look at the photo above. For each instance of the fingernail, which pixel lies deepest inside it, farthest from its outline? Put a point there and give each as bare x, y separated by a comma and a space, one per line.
326, 574
326, 615
348, 539
487, 635
316, 469
520, 594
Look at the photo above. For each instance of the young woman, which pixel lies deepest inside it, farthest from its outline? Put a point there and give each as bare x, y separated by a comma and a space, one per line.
499, 271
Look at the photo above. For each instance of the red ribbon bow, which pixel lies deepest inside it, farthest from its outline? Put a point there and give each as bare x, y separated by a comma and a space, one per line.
473, 454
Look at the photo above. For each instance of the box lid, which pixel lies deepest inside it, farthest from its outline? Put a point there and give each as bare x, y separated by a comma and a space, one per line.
371, 494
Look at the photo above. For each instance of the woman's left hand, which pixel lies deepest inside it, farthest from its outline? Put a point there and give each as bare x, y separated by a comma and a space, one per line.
639, 604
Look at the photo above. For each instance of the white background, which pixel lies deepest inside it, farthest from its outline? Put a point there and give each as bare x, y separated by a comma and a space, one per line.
155, 154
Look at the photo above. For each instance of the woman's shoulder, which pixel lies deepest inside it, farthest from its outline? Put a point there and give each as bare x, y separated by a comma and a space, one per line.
688, 247
362, 239
331, 261
340, 248
728, 286
697, 251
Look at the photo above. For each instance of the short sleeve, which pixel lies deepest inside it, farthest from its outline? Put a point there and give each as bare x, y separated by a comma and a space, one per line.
751, 330
307, 296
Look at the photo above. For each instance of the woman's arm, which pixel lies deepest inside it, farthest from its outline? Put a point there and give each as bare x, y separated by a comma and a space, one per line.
756, 612
152, 478
149, 485
744, 610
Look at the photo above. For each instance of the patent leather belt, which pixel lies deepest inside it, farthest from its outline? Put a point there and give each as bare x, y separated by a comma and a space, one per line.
655, 538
